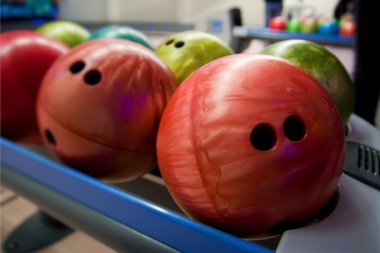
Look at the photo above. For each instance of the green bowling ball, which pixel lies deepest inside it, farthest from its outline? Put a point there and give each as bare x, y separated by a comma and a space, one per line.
324, 66
185, 52
122, 32
67, 32
309, 25
294, 25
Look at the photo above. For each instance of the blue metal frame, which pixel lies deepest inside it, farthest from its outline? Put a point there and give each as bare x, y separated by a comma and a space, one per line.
266, 33
172, 229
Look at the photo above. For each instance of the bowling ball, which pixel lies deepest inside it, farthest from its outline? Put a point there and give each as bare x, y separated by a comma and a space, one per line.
25, 57
99, 108
294, 25
309, 25
323, 65
249, 143
277, 23
70, 33
122, 32
329, 28
347, 28
185, 52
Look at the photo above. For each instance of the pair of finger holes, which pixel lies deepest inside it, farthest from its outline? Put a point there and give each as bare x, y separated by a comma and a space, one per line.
264, 137
177, 44
92, 77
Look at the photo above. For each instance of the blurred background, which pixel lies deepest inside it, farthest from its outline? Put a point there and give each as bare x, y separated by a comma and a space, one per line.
187, 11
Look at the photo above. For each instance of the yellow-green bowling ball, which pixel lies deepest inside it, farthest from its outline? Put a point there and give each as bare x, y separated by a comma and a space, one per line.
187, 51
70, 33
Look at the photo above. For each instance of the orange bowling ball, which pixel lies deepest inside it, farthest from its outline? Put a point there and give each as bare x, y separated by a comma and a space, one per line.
250, 143
99, 108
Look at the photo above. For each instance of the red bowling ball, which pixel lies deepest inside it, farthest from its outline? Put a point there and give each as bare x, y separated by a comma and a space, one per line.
347, 28
99, 108
251, 144
25, 58
277, 23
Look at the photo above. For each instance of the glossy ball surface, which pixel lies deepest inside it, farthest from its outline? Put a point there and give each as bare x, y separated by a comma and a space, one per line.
277, 23
294, 25
70, 33
99, 108
250, 142
309, 25
330, 28
25, 58
185, 52
347, 28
